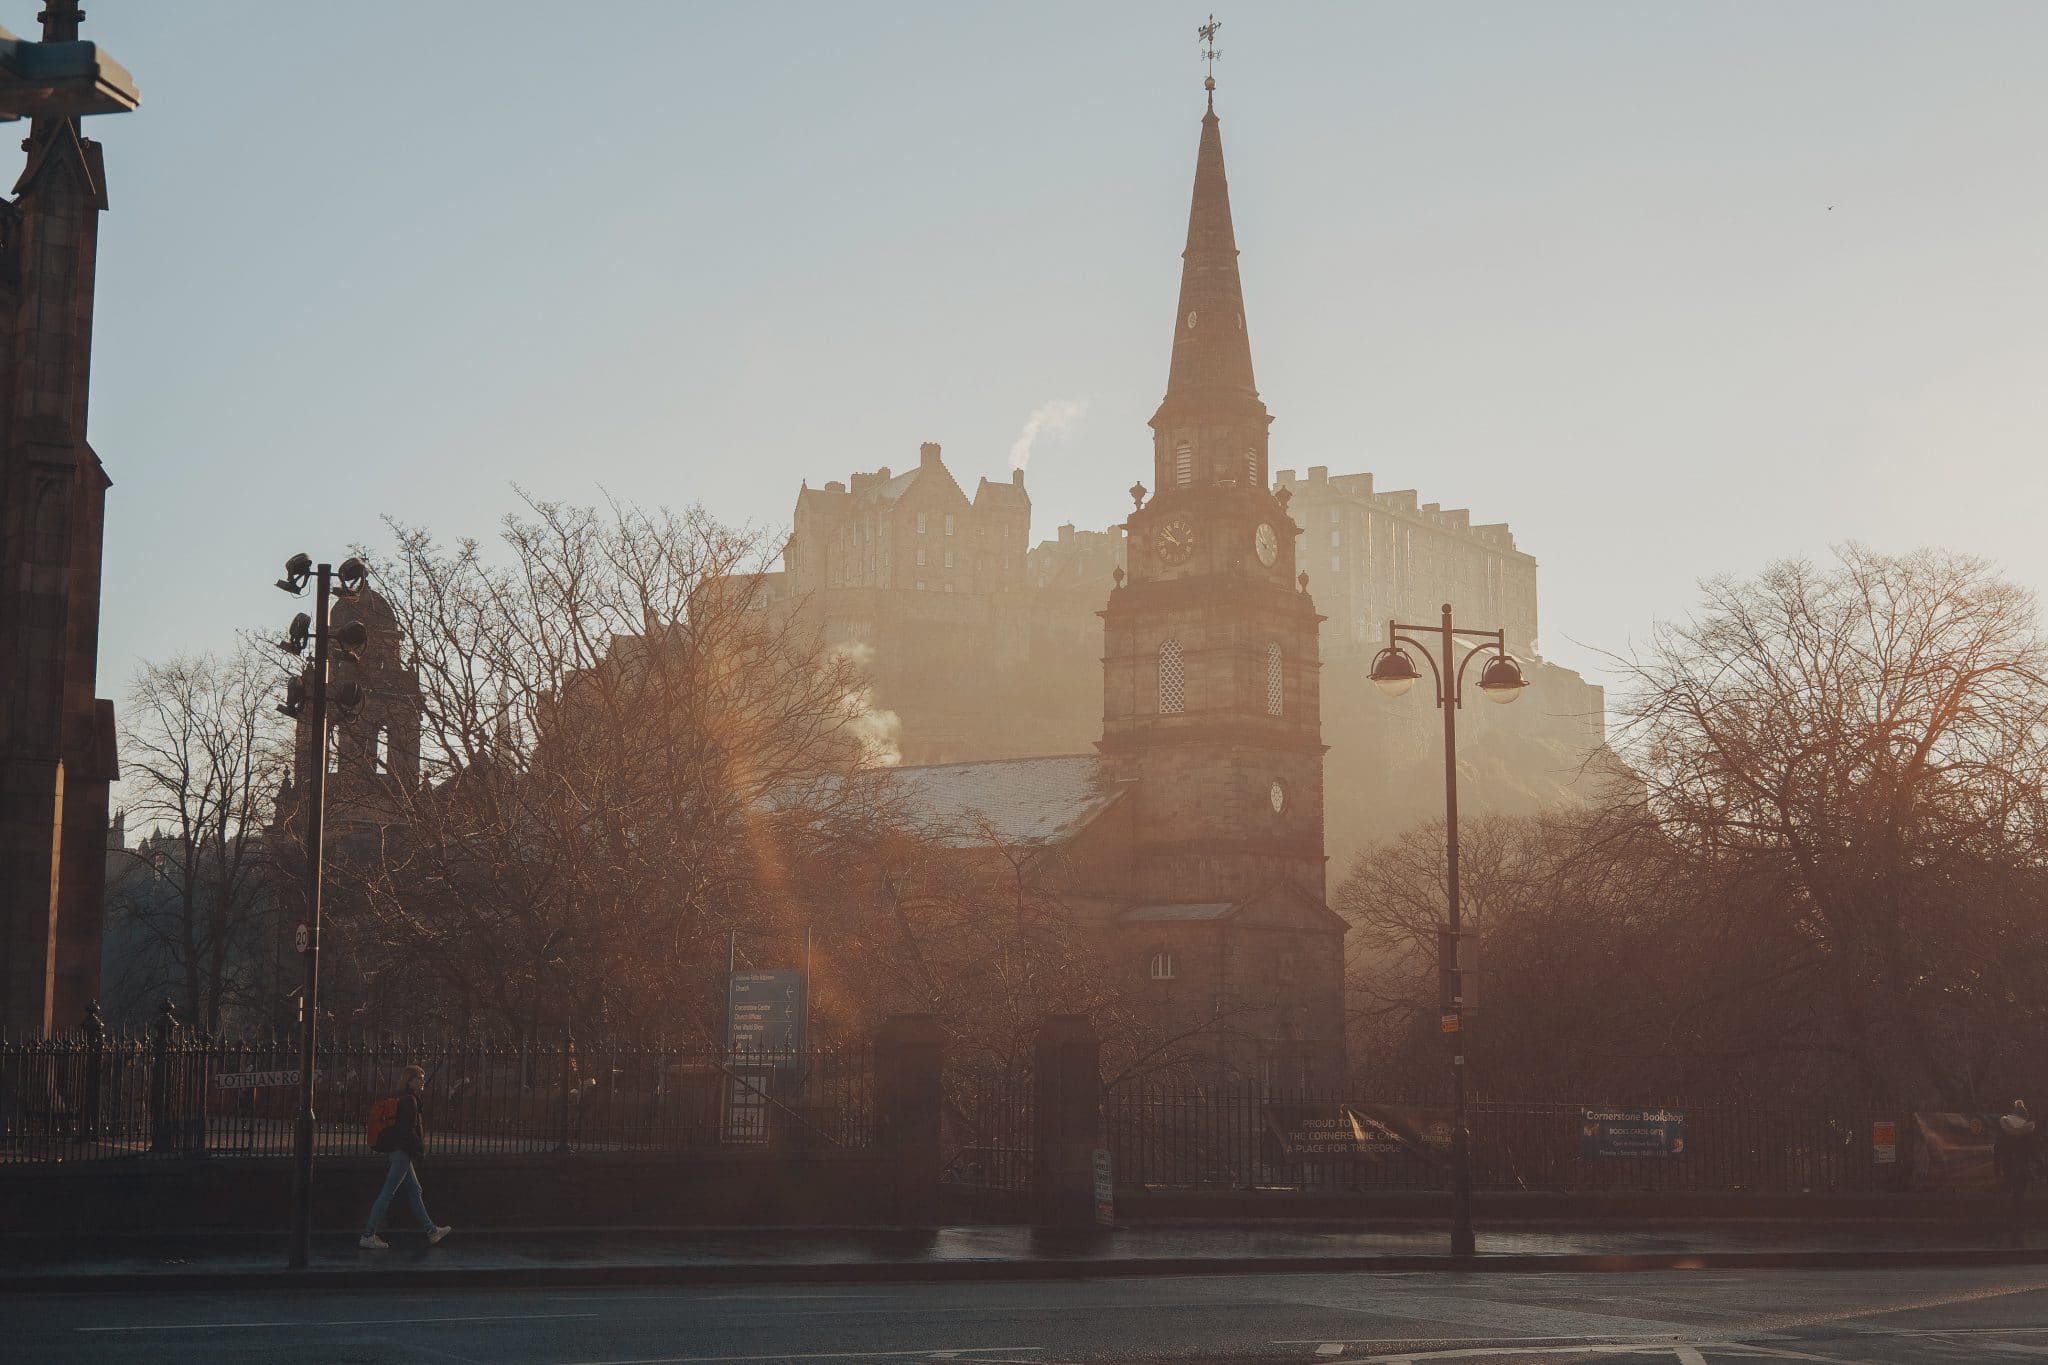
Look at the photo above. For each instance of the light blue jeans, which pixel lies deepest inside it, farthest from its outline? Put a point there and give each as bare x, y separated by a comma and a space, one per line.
401, 1173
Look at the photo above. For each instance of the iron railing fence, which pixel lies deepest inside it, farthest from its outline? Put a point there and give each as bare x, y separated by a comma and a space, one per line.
1174, 1134
119, 1095
987, 1129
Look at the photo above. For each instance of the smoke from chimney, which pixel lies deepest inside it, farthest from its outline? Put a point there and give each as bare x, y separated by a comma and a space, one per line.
1053, 418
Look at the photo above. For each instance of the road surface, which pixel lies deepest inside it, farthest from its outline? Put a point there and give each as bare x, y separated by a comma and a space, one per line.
1705, 1317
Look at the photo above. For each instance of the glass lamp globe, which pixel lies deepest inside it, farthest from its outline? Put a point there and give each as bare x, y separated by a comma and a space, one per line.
1393, 672
1502, 679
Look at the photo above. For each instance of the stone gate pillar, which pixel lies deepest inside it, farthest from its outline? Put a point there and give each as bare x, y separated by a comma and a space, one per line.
910, 1053
1067, 1079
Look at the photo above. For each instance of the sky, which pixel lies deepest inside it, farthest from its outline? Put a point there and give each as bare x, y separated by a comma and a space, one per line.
1675, 290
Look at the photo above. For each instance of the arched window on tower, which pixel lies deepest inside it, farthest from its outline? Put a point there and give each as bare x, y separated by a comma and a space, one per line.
1173, 684
1184, 464
1275, 679
1251, 467
380, 751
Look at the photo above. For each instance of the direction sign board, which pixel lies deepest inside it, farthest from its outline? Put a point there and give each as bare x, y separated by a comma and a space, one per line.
764, 1011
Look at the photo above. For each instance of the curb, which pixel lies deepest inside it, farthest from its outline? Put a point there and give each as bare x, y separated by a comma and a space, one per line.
886, 1272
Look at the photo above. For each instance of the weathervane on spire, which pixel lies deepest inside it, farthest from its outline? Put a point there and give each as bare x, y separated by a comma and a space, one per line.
1207, 33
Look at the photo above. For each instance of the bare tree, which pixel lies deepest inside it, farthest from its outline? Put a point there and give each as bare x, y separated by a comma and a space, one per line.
615, 737
1609, 970
196, 901
1859, 747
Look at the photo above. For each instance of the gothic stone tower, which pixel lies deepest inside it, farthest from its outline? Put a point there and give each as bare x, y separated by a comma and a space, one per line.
1210, 665
56, 738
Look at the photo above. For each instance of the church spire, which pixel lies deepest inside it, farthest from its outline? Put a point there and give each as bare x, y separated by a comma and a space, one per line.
1212, 355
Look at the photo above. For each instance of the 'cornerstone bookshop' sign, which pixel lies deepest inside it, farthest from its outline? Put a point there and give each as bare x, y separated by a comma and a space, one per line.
1631, 1132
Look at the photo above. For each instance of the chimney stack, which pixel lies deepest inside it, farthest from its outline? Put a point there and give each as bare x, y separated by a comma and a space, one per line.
928, 454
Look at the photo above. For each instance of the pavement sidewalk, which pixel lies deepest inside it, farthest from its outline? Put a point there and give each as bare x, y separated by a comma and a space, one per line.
515, 1258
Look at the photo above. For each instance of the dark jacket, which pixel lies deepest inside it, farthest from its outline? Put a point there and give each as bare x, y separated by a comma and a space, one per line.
408, 1134
2015, 1148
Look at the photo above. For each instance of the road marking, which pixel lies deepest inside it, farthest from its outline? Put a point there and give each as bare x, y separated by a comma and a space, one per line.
1604, 1338
1416, 1357
1688, 1356
338, 1322
707, 1298
926, 1352
1330, 1348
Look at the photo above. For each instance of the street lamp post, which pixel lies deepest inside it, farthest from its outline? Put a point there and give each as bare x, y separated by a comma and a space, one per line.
1394, 672
309, 692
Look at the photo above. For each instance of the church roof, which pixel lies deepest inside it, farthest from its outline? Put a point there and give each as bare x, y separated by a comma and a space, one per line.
1012, 801
1182, 913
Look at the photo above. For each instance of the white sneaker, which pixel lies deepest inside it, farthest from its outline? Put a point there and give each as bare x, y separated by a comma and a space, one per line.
370, 1241
434, 1237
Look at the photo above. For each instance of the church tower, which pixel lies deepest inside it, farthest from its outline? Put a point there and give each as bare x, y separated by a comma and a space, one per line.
1210, 698
56, 735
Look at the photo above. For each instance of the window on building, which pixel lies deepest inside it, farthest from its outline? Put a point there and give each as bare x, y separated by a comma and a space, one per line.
1184, 464
949, 587
949, 555
920, 585
1251, 466
1162, 966
1173, 686
1275, 679
949, 523
1336, 563
380, 750
920, 558
1336, 539
920, 523
1336, 515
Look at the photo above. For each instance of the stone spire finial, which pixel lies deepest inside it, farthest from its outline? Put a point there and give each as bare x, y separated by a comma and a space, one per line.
61, 19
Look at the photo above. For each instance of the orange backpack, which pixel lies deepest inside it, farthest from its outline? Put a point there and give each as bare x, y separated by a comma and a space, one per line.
383, 1115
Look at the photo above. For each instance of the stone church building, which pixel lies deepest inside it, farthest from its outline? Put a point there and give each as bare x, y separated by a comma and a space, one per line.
1193, 835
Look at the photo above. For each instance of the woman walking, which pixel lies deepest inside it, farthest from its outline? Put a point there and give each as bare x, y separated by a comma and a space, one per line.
406, 1140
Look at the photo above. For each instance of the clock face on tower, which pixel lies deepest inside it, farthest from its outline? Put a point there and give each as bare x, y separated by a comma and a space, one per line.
1174, 541
1267, 543
1277, 794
